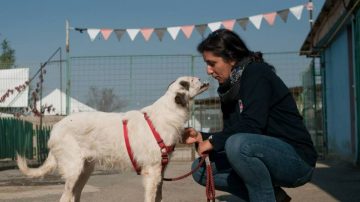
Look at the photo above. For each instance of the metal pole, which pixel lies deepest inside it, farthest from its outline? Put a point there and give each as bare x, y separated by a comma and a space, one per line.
311, 13
68, 75
40, 97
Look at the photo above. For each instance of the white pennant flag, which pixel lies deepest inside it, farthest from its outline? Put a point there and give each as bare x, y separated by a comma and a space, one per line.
132, 33
256, 20
93, 33
213, 26
173, 31
296, 11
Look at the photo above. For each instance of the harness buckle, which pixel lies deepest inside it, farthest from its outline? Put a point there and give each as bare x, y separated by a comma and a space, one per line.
164, 159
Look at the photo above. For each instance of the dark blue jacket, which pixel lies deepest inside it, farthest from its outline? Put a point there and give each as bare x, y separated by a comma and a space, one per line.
265, 106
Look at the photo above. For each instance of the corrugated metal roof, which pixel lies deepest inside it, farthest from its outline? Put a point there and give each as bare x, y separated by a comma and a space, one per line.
9, 79
332, 16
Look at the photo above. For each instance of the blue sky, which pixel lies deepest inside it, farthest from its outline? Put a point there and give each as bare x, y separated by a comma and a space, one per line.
36, 28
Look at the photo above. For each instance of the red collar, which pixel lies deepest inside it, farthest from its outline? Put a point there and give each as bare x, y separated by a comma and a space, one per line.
165, 150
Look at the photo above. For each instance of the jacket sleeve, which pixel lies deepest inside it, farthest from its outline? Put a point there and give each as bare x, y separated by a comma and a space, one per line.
255, 94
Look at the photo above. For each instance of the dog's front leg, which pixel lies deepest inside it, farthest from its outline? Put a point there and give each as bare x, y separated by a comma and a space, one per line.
152, 179
158, 197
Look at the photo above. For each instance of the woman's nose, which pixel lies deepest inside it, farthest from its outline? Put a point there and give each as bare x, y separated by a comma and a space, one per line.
209, 70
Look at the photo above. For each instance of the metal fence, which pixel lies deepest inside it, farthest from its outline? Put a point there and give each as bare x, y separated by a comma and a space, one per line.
122, 83
313, 105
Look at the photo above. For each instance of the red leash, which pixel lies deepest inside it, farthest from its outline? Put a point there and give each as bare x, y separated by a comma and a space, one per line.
210, 185
187, 174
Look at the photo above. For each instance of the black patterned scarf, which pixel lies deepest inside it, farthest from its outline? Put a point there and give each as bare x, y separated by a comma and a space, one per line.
229, 90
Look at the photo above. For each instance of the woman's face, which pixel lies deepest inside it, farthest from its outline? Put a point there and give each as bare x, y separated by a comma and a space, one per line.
217, 67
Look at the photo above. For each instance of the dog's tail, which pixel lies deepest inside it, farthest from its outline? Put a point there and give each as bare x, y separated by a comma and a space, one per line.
48, 166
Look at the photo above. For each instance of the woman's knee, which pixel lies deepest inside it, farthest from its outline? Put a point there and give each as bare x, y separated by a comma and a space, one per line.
237, 144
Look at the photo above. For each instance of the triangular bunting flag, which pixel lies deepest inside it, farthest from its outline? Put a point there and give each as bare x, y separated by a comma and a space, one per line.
93, 33
106, 33
160, 33
173, 31
284, 14
147, 33
270, 17
119, 33
228, 24
243, 22
132, 33
214, 26
187, 30
201, 29
297, 10
256, 20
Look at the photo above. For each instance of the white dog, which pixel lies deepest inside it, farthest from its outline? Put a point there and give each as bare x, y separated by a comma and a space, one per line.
81, 140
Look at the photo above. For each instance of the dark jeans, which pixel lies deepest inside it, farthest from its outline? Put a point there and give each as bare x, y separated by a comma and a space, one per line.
252, 165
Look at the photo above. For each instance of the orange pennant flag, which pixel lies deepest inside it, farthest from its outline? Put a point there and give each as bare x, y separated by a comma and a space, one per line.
146, 32
106, 33
187, 30
229, 24
270, 17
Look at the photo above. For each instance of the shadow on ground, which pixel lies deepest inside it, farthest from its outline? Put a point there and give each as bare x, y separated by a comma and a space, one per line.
339, 179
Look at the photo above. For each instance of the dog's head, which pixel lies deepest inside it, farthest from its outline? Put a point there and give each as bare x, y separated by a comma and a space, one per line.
186, 88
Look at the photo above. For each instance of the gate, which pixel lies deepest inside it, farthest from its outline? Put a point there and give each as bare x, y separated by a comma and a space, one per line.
15, 137
19, 136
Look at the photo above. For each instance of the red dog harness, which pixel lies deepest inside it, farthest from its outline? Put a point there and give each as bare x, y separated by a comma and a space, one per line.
165, 150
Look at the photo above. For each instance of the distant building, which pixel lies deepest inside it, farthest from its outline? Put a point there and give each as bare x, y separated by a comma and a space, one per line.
10, 81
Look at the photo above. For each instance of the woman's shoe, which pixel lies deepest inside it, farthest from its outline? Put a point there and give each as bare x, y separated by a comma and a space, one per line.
281, 195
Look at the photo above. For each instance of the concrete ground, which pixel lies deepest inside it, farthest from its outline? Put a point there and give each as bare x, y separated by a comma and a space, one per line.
332, 181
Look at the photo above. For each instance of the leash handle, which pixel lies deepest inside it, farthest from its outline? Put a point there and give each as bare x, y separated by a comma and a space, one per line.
210, 185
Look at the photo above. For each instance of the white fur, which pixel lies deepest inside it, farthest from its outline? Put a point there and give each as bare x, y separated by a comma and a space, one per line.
81, 140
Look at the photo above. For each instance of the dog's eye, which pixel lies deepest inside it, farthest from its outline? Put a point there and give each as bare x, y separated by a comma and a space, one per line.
185, 84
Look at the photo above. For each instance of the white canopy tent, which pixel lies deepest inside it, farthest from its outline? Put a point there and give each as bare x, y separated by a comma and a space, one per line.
57, 99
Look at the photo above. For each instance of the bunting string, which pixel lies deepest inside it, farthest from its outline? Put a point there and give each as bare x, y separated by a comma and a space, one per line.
187, 30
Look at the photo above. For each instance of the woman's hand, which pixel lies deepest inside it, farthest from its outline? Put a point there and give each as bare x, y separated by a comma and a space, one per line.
204, 147
191, 136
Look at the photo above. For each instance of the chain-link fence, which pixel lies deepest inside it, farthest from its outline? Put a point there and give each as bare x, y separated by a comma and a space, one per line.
122, 83
312, 102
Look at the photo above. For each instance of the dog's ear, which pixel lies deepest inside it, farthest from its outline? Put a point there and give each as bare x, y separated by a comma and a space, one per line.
185, 84
180, 99
170, 84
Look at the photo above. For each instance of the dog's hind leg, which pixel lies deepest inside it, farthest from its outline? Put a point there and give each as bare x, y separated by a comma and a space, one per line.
151, 179
70, 183
83, 178
71, 165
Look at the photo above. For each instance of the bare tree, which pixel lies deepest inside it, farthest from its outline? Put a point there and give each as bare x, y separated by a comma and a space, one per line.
105, 100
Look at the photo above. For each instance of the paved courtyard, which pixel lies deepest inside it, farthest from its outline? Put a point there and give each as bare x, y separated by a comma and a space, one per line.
333, 181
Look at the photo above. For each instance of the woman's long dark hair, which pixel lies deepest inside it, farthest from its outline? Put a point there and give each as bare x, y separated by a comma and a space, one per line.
227, 45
